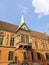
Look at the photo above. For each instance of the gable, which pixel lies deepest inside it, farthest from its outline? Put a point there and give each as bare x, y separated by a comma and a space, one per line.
24, 27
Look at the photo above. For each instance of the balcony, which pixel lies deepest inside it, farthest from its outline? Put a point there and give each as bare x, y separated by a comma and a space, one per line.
27, 47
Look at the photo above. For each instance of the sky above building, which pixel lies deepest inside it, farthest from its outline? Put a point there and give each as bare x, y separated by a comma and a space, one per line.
36, 13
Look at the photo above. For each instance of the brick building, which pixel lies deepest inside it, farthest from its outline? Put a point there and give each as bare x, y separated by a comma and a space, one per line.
21, 46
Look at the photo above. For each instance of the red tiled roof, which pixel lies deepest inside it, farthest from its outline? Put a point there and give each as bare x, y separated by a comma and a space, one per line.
7, 26
38, 34
12, 28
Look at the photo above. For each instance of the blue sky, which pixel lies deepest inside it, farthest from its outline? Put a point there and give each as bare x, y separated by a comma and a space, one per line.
36, 13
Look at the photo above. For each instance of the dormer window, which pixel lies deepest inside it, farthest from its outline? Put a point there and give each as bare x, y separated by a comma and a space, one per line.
27, 39
12, 41
24, 38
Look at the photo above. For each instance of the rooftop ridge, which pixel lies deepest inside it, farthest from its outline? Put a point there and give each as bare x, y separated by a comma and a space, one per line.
12, 27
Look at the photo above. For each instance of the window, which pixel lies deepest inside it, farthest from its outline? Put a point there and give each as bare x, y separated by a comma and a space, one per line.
25, 55
1, 40
25, 47
25, 38
29, 47
36, 44
39, 56
0, 55
21, 46
10, 56
47, 56
32, 55
44, 45
12, 41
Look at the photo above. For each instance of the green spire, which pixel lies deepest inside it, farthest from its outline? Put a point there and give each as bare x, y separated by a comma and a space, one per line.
22, 24
22, 21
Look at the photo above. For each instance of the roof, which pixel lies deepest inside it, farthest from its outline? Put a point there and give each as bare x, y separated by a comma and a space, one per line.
38, 34
12, 28
22, 24
8, 26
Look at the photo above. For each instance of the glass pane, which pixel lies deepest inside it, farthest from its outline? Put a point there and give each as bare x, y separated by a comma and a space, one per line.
27, 39
12, 41
23, 38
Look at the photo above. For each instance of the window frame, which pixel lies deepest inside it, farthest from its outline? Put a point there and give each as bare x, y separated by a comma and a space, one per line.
24, 38
10, 55
11, 41
39, 56
25, 56
47, 56
1, 39
45, 46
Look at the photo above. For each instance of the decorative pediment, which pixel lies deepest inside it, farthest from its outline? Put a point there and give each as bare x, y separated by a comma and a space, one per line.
23, 25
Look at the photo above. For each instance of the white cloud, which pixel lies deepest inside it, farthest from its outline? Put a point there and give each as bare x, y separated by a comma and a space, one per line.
41, 7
